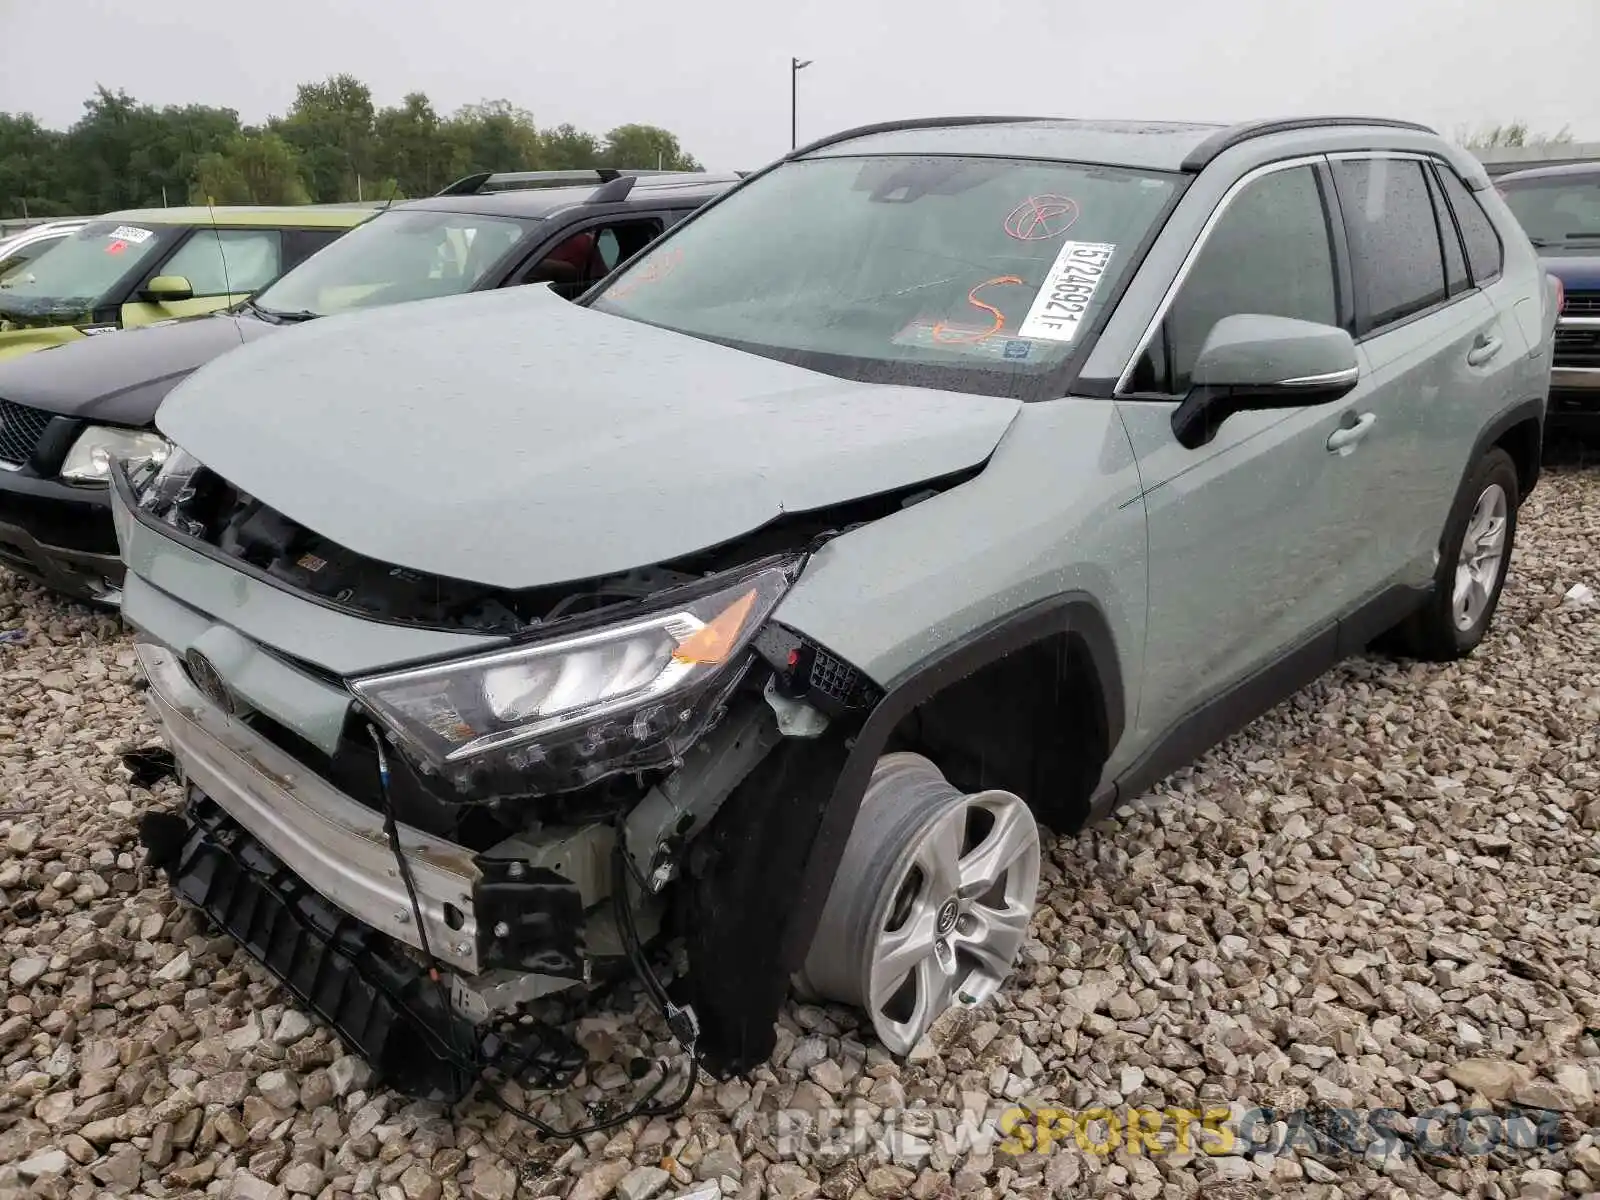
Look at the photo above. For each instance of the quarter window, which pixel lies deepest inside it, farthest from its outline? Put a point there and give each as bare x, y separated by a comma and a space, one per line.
1269, 254
1394, 239
1484, 253
1455, 262
219, 262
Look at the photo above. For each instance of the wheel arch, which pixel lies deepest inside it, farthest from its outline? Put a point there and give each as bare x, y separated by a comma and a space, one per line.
1074, 618
1519, 431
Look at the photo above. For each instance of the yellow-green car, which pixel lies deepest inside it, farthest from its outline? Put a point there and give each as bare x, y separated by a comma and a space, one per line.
143, 266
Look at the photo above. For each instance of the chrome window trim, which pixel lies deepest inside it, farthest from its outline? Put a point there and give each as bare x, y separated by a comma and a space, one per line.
1167, 297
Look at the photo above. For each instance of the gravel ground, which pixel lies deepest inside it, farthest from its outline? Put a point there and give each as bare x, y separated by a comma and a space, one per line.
1381, 895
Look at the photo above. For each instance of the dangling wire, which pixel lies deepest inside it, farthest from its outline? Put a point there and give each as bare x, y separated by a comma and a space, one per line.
681, 1021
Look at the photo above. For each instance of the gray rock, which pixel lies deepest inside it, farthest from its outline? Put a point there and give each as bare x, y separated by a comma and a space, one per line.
25, 971
245, 1186
601, 1181
303, 1177
642, 1183
349, 1074
46, 1162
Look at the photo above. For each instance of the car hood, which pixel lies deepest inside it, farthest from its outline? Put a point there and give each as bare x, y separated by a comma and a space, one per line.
1577, 272
514, 439
121, 377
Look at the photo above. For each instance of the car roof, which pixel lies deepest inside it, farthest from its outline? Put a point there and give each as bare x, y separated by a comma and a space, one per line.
1148, 145
1554, 170
542, 202
290, 216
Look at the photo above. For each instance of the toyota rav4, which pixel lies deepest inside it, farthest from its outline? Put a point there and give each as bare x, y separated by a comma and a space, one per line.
943, 480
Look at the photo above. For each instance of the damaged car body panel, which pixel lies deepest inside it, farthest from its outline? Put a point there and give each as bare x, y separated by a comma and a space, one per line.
772, 598
602, 470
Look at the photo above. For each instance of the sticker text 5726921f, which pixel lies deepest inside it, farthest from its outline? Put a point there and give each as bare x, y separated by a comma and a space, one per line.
1059, 308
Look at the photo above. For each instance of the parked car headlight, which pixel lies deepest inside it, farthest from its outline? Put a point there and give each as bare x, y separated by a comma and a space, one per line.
618, 696
89, 460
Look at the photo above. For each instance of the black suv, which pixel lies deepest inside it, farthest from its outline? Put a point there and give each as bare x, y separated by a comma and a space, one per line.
67, 412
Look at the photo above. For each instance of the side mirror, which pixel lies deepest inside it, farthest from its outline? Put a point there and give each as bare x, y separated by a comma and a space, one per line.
168, 287
1250, 361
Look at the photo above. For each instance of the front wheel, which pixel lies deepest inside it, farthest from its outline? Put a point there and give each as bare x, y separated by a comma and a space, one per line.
1474, 554
931, 904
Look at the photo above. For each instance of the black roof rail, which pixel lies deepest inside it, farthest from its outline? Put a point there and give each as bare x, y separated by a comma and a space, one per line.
494, 181
1225, 139
845, 135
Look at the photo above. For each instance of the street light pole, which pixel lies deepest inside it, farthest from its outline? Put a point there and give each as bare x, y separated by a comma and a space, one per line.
796, 65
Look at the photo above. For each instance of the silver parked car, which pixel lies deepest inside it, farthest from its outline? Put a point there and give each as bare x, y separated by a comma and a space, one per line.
944, 479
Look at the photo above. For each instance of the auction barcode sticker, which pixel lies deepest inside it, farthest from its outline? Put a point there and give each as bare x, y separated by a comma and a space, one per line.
1058, 310
130, 233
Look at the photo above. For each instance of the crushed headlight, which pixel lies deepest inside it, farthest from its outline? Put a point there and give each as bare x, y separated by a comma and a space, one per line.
161, 489
602, 699
91, 456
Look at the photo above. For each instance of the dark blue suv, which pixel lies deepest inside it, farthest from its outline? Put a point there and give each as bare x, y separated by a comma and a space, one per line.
1559, 207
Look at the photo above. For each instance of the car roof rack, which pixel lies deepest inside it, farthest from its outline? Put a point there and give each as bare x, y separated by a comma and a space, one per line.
500, 181
1225, 139
845, 135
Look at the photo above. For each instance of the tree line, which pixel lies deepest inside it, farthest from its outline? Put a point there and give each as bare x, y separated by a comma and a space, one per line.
334, 144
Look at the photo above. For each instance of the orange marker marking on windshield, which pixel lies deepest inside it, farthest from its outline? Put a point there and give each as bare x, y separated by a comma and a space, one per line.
938, 331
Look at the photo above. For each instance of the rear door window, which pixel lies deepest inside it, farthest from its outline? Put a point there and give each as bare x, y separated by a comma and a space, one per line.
1395, 254
1484, 252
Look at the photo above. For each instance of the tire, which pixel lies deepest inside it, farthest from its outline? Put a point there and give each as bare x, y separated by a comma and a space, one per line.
1447, 628
931, 904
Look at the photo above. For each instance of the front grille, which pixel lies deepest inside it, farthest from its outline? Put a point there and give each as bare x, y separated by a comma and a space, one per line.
1582, 304
21, 428
1577, 348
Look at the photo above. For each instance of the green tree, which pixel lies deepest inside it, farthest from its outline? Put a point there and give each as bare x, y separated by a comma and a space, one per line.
332, 124
30, 163
122, 154
254, 168
411, 148
495, 135
646, 147
569, 149
331, 145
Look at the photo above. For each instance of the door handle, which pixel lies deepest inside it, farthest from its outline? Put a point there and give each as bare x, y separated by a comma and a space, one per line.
1486, 347
1344, 439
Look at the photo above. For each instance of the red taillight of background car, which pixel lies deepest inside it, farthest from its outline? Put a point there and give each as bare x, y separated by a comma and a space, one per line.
1561, 295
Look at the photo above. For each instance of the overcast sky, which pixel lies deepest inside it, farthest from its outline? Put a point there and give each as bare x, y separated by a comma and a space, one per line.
716, 72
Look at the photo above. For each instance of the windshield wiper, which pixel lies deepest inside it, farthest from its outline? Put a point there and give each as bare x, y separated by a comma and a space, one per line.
287, 318
1583, 236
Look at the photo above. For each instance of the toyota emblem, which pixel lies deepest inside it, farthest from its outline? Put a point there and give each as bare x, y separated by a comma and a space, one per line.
209, 680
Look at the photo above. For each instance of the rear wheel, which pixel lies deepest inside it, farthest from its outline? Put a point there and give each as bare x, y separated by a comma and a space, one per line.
931, 903
1474, 554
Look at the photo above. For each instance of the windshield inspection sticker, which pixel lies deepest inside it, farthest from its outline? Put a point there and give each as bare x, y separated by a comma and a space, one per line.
928, 333
131, 233
1058, 309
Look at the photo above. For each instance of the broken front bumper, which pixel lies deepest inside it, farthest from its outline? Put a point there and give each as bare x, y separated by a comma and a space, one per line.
337, 845
305, 879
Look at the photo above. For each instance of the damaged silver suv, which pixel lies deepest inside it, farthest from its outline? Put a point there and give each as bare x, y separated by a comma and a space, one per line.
941, 481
